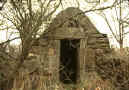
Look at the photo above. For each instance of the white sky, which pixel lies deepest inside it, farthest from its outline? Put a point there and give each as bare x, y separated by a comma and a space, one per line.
96, 19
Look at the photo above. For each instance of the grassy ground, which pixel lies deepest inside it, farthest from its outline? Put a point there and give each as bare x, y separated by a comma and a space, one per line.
111, 73
36, 82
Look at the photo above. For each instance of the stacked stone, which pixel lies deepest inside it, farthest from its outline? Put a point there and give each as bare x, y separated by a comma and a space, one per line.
98, 41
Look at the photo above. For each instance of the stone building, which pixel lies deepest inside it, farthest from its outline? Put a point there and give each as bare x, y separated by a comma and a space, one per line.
66, 46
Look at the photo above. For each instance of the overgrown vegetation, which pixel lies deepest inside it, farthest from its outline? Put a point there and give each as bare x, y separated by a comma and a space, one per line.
114, 67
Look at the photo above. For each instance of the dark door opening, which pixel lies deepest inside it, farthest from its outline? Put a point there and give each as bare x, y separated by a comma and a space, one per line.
68, 61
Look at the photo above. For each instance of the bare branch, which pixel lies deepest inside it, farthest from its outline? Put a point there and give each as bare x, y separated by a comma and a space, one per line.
9, 40
110, 28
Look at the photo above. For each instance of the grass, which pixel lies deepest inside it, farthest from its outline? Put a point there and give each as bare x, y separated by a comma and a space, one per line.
92, 80
37, 82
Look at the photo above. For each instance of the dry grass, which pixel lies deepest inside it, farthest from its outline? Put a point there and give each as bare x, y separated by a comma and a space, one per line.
31, 82
37, 82
114, 67
92, 80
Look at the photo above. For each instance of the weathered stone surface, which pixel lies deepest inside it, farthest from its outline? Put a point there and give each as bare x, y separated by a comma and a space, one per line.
71, 24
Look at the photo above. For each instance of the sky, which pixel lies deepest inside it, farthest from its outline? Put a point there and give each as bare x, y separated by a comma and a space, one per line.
95, 18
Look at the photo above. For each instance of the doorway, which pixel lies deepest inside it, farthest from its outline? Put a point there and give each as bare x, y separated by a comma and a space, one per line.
69, 61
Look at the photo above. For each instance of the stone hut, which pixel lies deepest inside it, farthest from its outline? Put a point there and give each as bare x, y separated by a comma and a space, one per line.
66, 43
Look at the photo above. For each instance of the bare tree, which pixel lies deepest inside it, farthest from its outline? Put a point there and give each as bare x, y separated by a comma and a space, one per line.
118, 7
28, 22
